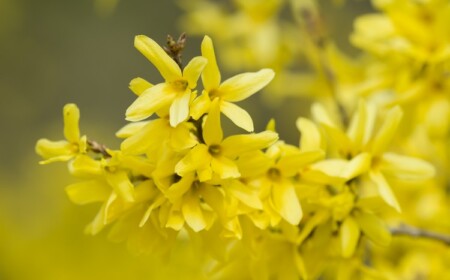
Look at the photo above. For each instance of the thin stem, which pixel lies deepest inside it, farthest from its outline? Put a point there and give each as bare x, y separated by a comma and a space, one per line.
98, 148
308, 17
408, 230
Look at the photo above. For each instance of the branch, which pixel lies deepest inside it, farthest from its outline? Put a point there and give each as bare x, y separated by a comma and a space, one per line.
175, 48
408, 230
98, 148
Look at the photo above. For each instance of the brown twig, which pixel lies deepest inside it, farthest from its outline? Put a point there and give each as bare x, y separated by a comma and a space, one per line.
408, 230
98, 148
175, 48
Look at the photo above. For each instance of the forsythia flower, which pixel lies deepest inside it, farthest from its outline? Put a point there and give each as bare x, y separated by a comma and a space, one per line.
234, 89
175, 92
64, 150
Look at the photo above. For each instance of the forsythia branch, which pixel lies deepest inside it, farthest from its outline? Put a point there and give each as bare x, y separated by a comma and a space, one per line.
98, 148
403, 229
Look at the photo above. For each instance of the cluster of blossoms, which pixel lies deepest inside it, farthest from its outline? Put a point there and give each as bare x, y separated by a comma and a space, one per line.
262, 208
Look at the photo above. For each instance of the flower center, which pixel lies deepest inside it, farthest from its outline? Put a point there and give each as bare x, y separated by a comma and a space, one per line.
274, 174
214, 150
180, 85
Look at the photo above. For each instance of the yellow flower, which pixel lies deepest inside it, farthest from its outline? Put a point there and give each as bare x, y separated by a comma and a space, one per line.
175, 93
360, 151
64, 150
234, 89
216, 155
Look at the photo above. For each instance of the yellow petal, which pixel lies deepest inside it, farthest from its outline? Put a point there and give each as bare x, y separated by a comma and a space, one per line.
149, 102
197, 158
193, 213
148, 136
55, 150
292, 164
212, 130
241, 86
178, 189
158, 57
130, 129
373, 227
236, 145
83, 165
254, 164
224, 167
211, 74
200, 106
139, 85
387, 131
310, 137
349, 236
406, 168
286, 202
71, 118
193, 70
179, 110
318, 218
384, 189
88, 192
237, 115
357, 126
182, 138
244, 193
357, 166
121, 184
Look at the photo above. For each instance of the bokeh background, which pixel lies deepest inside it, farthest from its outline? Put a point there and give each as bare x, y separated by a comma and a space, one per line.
53, 52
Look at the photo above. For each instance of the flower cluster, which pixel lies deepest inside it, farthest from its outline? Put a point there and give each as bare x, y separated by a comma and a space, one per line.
242, 195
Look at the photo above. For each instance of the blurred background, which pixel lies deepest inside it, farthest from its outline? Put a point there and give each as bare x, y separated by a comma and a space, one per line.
56, 52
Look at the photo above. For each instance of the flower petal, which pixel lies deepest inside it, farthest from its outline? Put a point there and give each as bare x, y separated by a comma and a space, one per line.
387, 131
224, 167
211, 75
236, 145
244, 193
200, 105
241, 86
150, 101
197, 158
286, 202
237, 115
178, 189
193, 70
158, 57
356, 129
71, 115
193, 213
85, 166
130, 129
357, 166
310, 137
384, 189
349, 235
88, 192
121, 184
53, 151
406, 168
139, 85
148, 136
179, 110
212, 130
373, 227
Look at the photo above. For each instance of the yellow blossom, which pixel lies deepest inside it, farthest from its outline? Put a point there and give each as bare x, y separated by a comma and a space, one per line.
175, 93
64, 150
215, 157
234, 89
